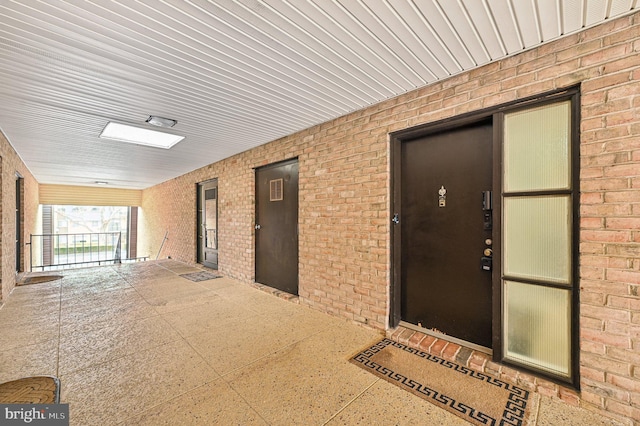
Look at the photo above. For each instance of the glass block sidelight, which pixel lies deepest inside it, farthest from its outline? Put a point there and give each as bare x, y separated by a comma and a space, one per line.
537, 327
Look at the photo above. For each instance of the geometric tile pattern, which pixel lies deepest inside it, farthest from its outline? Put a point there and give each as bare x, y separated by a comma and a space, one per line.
514, 409
31, 390
200, 276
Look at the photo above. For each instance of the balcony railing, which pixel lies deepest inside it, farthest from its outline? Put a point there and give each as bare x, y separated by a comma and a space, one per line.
55, 251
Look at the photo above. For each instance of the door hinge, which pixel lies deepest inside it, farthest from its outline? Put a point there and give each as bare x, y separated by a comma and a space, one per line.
396, 219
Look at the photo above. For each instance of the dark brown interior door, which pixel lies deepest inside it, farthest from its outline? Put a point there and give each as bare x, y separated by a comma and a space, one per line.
277, 226
444, 286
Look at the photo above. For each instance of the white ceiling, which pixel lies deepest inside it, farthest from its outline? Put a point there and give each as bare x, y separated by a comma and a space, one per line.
235, 74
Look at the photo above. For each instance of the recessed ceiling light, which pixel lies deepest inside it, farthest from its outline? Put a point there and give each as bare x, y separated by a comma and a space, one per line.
100, 182
161, 122
139, 135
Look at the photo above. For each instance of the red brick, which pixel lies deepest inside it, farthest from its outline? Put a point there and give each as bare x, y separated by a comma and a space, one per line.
591, 198
591, 273
396, 334
492, 368
631, 277
623, 223
569, 396
509, 374
604, 313
547, 388
415, 340
567, 68
626, 170
591, 323
438, 346
595, 348
632, 385
605, 390
602, 363
605, 236
478, 360
450, 351
608, 107
608, 339
604, 55
426, 343
591, 222
538, 87
605, 210
607, 80
624, 409
592, 374
592, 399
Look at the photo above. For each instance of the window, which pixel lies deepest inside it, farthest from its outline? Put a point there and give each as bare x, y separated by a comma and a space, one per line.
538, 193
275, 190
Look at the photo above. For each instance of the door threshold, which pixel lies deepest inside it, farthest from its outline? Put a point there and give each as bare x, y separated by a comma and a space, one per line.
446, 337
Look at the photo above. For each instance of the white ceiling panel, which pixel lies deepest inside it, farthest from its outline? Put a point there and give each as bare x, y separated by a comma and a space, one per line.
504, 16
573, 12
526, 19
618, 7
428, 38
433, 13
235, 74
549, 17
486, 27
465, 30
597, 10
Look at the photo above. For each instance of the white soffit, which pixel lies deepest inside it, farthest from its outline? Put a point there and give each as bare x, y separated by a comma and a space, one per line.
235, 74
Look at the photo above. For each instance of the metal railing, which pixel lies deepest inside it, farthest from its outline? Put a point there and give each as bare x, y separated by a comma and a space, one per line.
53, 251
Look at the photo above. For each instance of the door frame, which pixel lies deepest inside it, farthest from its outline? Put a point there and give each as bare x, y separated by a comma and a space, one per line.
477, 136
19, 222
200, 209
396, 139
257, 170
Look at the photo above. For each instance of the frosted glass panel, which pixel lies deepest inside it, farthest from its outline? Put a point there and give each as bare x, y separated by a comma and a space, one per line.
537, 243
536, 148
537, 327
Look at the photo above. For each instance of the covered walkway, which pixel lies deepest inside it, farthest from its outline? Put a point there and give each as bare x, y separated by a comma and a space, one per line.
141, 344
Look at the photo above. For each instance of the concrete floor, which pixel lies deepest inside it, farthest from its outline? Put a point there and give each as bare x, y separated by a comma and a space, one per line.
137, 344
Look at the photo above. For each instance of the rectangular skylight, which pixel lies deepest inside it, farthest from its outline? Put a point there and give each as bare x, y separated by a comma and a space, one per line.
139, 135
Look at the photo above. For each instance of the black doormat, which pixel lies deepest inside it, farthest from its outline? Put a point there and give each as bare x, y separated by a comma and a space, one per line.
472, 396
200, 276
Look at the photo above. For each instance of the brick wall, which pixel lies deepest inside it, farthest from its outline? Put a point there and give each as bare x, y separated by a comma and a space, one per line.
344, 197
10, 164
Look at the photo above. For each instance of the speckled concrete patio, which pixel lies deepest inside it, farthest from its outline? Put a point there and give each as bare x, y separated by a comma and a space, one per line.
137, 344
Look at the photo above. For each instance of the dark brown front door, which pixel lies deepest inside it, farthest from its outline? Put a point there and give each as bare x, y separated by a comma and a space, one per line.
444, 285
277, 226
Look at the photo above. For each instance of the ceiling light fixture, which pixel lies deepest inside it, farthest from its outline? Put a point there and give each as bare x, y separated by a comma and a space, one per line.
139, 135
101, 182
161, 122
